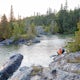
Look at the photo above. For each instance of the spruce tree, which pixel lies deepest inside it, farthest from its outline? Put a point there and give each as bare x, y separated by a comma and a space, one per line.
11, 25
4, 28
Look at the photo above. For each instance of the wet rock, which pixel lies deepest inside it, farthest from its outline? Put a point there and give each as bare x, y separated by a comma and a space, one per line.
35, 40
10, 66
20, 41
7, 42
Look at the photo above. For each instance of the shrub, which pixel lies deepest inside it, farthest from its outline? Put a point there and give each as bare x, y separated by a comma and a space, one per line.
75, 46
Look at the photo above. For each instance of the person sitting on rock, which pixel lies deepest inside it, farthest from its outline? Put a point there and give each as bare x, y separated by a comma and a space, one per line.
60, 51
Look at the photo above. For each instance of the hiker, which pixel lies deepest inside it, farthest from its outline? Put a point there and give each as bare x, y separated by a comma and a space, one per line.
60, 51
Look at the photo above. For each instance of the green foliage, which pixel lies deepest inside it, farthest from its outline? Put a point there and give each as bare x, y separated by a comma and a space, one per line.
19, 29
36, 70
42, 19
16, 30
47, 29
11, 22
63, 22
4, 28
75, 45
21, 25
54, 27
11, 14
31, 32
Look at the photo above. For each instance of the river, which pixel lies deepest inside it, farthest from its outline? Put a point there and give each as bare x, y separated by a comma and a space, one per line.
37, 54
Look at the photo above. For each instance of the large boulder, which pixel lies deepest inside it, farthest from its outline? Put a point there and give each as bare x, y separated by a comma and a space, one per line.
10, 66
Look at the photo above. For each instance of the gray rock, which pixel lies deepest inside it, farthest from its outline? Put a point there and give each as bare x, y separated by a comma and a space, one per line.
35, 40
37, 77
64, 67
61, 69
7, 42
22, 74
39, 30
67, 66
10, 66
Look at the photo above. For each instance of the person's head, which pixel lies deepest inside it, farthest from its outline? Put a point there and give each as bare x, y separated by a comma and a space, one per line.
60, 51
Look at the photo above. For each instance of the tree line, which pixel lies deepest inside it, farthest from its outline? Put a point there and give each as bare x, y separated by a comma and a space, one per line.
63, 22
16, 28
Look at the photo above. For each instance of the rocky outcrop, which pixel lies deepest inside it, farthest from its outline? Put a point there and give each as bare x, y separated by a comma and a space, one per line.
63, 67
22, 74
7, 41
67, 66
10, 66
20, 41
27, 73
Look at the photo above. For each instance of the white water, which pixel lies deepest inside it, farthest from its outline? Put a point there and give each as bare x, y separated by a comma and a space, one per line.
37, 54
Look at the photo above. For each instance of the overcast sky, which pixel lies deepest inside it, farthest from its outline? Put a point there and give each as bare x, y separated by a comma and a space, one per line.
28, 7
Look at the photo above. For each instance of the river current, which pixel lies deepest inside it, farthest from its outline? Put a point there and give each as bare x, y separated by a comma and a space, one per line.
36, 54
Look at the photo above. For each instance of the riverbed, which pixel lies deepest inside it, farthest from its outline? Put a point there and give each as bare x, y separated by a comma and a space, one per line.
36, 54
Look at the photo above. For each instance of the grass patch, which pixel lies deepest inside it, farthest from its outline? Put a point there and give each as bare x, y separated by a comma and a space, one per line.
76, 71
76, 60
36, 70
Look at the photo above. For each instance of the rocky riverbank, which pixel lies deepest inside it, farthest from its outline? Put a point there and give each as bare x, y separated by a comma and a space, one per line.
63, 67
20, 41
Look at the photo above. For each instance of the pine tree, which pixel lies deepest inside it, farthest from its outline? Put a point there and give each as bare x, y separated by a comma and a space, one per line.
11, 25
11, 22
4, 28
66, 5
11, 14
